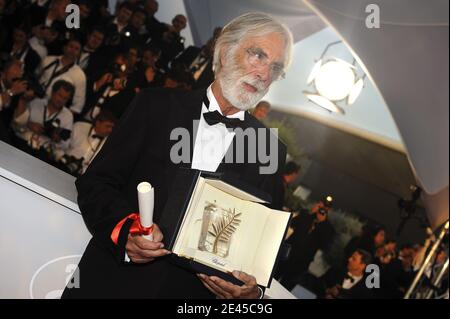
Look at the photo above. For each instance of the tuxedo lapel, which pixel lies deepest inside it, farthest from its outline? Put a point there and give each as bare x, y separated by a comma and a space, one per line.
243, 170
186, 116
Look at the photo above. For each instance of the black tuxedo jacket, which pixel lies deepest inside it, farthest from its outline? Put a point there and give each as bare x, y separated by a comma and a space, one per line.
336, 276
187, 57
139, 150
31, 61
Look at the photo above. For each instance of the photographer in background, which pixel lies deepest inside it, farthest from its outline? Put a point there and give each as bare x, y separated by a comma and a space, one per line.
349, 283
135, 34
64, 67
43, 127
20, 49
117, 27
113, 81
312, 231
54, 19
198, 61
91, 57
86, 141
286, 197
149, 73
11, 86
171, 42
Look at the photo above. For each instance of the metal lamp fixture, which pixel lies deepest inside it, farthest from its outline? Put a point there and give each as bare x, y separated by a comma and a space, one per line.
334, 80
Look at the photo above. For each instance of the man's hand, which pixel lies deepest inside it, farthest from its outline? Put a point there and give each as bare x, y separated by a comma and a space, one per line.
320, 217
141, 250
35, 127
28, 95
332, 293
19, 87
106, 78
119, 84
226, 290
316, 207
150, 74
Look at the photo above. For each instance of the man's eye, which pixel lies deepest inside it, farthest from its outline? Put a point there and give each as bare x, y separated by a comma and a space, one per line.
277, 68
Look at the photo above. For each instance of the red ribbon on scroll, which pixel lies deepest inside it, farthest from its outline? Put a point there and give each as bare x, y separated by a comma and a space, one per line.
135, 229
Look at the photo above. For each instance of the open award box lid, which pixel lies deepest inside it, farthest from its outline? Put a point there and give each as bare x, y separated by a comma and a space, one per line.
214, 224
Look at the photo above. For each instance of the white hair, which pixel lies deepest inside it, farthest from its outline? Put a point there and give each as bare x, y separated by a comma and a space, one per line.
253, 24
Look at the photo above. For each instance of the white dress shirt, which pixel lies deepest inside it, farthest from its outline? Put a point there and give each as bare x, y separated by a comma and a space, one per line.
35, 113
120, 27
212, 141
85, 55
348, 283
74, 75
83, 144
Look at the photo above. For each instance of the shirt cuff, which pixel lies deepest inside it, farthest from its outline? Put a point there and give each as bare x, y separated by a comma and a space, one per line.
261, 296
127, 259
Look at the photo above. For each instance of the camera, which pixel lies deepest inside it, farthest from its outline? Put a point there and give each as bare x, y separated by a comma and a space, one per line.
53, 127
174, 37
72, 164
117, 70
328, 203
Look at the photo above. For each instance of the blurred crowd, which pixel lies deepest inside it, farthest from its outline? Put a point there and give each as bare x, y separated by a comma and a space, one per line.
63, 89
373, 264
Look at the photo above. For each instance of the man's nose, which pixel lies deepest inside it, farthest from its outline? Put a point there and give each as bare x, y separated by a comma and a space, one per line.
264, 73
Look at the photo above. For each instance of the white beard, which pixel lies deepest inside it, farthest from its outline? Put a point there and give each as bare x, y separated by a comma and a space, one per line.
231, 83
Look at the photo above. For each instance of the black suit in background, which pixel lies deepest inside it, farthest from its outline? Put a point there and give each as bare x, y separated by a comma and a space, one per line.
31, 59
97, 66
304, 245
139, 150
38, 16
336, 276
187, 58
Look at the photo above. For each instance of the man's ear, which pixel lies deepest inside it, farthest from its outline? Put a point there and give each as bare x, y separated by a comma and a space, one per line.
222, 54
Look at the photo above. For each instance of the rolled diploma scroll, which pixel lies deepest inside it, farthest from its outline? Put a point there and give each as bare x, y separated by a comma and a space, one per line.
146, 202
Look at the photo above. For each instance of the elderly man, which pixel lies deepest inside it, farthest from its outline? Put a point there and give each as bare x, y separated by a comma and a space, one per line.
252, 52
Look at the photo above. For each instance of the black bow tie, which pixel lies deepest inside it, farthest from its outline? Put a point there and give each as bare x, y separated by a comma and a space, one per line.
97, 136
349, 277
215, 117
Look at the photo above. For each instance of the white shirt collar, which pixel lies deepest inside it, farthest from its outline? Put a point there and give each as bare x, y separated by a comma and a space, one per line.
348, 283
214, 106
